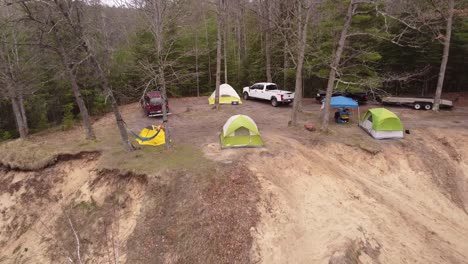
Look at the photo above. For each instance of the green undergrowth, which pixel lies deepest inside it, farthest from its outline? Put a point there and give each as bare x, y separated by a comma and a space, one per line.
39, 152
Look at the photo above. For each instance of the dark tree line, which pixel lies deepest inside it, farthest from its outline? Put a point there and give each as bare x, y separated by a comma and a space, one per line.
65, 61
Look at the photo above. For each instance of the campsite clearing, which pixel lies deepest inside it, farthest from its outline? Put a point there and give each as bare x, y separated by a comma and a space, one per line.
302, 198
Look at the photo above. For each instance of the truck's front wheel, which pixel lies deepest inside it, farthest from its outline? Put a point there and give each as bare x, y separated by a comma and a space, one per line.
246, 96
274, 102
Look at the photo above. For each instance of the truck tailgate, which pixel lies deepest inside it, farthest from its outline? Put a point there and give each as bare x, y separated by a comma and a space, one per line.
288, 96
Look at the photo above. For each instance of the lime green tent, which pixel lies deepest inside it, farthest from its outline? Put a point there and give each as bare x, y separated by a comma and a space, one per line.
240, 131
382, 123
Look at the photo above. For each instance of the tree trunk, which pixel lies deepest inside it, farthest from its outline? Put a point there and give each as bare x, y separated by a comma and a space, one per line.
239, 42
285, 64
115, 107
196, 63
167, 131
208, 49
23, 112
243, 32
268, 44
18, 117
302, 32
268, 57
335, 64
76, 91
445, 56
225, 29
218, 55
15, 90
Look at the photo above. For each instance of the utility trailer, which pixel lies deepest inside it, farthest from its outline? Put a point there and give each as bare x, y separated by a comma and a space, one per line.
416, 103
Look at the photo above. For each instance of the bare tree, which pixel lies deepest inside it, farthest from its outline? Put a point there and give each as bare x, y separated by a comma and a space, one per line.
302, 33
225, 27
13, 68
335, 63
445, 55
220, 8
74, 84
66, 10
208, 45
161, 15
266, 10
44, 22
159, 8
57, 18
197, 72
240, 34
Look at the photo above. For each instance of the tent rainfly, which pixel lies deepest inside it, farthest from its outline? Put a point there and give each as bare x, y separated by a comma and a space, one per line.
381, 123
240, 131
227, 95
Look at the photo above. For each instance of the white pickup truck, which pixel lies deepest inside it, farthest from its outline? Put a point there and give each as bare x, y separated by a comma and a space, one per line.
268, 91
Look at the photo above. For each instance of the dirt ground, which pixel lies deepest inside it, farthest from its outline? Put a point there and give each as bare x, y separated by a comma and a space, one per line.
305, 197
345, 196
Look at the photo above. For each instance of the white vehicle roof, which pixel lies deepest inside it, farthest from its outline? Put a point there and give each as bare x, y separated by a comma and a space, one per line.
263, 83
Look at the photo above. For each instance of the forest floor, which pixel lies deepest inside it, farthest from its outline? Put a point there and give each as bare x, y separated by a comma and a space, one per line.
305, 197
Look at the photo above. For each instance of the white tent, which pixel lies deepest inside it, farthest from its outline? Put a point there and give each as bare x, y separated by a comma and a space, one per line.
227, 95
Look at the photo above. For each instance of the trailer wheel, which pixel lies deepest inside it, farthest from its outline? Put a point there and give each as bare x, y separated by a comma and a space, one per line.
417, 106
427, 106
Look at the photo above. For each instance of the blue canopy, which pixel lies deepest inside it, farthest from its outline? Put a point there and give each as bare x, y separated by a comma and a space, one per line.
341, 101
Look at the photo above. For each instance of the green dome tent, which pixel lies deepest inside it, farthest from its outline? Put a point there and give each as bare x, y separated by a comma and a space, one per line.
240, 131
381, 123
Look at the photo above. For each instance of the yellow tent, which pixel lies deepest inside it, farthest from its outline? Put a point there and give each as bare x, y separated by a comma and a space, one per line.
227, 95
151, 136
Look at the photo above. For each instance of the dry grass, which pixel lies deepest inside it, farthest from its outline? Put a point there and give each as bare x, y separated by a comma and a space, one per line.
151, 160
38, 152
42, 150
26, 155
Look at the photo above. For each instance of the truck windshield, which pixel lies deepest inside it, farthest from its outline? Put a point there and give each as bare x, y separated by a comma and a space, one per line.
155, 101
271, 87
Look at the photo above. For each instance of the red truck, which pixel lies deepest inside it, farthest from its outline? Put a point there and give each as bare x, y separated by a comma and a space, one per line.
152, 104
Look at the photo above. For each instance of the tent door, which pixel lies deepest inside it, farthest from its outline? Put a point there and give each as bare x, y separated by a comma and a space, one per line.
242, 131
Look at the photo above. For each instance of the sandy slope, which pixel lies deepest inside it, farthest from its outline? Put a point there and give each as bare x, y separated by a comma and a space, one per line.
332, 199
34, 205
